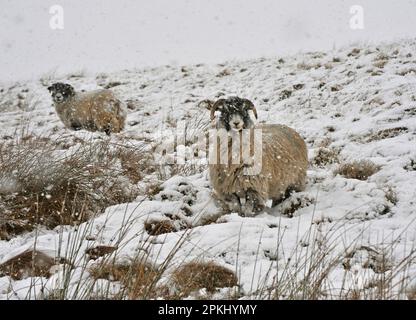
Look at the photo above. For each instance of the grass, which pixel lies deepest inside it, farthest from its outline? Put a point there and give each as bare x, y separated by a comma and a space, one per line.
88, 176
155, 228
30, 263
135, 276
325, 156
387, 133
305, 272
41, 184
361, 170
368, 271
197, 275
100, 271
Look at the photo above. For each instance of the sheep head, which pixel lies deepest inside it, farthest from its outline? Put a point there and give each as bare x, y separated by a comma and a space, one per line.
234, 113
61, 92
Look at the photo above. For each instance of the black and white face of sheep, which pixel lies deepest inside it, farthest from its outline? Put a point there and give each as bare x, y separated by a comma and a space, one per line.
61, 92
235, 113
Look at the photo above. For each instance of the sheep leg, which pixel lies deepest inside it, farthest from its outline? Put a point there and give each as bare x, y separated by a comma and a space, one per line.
254, 203
107, 131
234, 203
297, 187
231, 203
300, 185
76, 126
283, 196
247, 207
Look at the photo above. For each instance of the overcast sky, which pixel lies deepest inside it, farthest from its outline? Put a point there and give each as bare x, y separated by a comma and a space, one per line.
105, 35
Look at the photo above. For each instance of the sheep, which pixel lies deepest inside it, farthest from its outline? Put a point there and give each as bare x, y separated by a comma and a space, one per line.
283, 160
97, 110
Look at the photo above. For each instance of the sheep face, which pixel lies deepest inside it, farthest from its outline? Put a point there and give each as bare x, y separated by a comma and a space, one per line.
234, 113
61, 92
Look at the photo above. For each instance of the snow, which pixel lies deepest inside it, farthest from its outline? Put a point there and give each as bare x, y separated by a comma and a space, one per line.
164, 32
347, 102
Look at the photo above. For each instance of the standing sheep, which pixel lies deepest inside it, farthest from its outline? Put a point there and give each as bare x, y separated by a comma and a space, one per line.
283, 159
98, 110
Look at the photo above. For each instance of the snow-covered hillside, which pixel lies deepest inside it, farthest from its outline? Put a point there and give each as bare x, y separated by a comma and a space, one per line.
356, 103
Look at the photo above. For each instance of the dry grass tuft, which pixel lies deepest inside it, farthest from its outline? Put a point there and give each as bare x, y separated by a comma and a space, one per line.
354, 52
153, 189
381, 60
41, 184
325, 156
368, 258
99, 251
308, 66
136, 276
407, 71
380, 63
155, 228
224, 73
387, 133
411, 166
360, 170
293, 204
135, 163
391, 195
197, 275
285, 94
30, 263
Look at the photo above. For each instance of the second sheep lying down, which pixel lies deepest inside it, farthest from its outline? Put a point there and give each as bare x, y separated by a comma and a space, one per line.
98, 110
283, 168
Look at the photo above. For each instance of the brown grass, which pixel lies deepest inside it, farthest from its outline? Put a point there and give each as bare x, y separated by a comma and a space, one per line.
360, 170
354, 52
135, 163
380, 63
136, 276
197, 275
325, 156
290, 206
30, 263
40, 185
153, 189
224, 73
407, 71
155, 228
387, 133
99, 251
308, 66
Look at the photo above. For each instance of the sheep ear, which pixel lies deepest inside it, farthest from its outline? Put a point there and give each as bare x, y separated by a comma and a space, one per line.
250, 106
217, 106
51, 88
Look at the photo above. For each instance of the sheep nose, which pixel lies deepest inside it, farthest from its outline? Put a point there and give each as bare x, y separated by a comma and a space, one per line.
236, 123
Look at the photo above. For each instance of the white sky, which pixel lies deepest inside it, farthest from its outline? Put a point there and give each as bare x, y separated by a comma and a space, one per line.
104, 35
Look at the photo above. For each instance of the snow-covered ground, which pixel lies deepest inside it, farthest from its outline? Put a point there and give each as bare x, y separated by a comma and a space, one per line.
359, 102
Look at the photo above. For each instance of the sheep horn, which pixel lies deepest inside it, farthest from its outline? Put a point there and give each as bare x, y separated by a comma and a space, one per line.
250, 106
215, 107
207, 104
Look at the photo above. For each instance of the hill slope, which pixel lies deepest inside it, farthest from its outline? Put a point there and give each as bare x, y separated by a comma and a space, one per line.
340, 236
